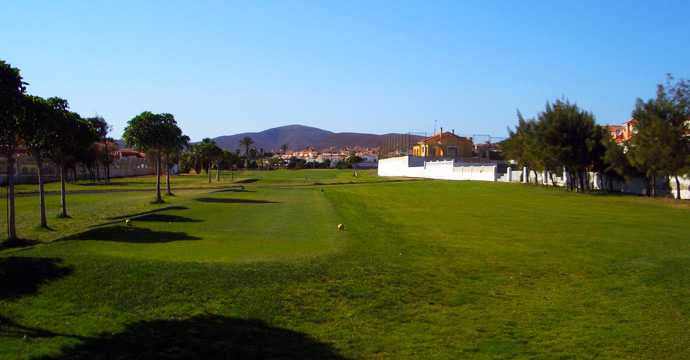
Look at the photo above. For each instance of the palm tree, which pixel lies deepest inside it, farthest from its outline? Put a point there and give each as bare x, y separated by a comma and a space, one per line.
246, 141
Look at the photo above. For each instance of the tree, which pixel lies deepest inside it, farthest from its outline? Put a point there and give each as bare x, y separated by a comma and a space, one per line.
11, 95
102, 129
210, 153
172, 154
156, 132
519, 144
246, 142
71, 133
283, 148
232, 160
37, 129
562, 135
661, 145
353, 160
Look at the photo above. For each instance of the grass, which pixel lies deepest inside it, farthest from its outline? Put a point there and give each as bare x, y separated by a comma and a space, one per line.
197, 181
424, 269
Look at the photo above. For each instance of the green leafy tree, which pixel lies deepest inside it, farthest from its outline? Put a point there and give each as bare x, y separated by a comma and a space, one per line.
102, 129
172, 155
519, 146
661, 146
37, 130
71, 134
210, 153
11, 95
246, 142
153, 132
353, 160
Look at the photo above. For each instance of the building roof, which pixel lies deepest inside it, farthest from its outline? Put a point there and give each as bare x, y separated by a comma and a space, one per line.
443, 136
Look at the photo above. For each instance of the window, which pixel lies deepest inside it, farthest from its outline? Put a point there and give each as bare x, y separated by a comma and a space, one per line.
453, 151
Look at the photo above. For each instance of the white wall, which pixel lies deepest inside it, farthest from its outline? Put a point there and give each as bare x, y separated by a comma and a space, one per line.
443, 169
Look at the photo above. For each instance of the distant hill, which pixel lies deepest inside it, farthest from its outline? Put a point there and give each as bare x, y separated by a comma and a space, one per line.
299, 137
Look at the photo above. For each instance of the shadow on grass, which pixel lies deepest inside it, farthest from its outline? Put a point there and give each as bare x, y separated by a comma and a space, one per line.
233, 190
234, 201
131, 234
10, 328
18, 244
108, 183
246, 181
201, 337
164, 218
129, 216
21, 276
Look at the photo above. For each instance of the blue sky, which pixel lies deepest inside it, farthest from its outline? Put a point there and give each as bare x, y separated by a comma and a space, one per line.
227, 67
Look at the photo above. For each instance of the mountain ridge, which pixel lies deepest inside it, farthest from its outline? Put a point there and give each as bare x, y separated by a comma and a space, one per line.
300, 137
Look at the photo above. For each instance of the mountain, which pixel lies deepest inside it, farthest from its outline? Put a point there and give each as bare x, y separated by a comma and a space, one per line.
299, 137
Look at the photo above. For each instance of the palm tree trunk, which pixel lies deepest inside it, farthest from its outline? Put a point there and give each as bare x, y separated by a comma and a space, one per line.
41, 192
12, 229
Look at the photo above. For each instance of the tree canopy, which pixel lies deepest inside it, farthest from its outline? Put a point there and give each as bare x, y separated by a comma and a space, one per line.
154, 132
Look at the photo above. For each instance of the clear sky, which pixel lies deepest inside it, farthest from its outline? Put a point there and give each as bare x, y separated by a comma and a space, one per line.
227, 67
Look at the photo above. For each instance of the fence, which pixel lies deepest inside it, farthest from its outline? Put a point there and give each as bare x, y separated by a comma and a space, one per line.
26, 170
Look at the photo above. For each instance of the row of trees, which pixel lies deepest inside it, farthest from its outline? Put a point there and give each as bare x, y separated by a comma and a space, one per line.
47, 128
564, 137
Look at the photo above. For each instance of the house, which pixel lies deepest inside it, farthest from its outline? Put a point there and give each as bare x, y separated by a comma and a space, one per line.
622, 134
444, 144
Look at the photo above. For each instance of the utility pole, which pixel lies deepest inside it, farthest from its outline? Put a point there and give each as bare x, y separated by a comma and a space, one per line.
435, 122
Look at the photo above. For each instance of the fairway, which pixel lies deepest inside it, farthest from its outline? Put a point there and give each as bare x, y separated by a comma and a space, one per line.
423, 269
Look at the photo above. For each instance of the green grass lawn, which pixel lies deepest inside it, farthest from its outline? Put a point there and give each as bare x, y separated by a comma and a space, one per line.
195, 181
423, 269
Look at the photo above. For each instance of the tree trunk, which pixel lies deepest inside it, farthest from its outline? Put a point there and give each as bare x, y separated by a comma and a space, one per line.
159, 199
167, 179
654, 186
106, 164
98, 172
208, 171
232, 174
11, 225
217, 172
677, 187
41, 192
63, 176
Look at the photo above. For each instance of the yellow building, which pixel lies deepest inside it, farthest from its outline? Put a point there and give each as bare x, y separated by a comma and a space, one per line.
444, 144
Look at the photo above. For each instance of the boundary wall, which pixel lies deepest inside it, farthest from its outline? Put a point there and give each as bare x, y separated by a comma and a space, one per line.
26, 170
420, 167
413, 166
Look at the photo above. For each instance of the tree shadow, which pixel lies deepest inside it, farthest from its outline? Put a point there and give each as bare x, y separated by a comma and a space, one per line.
246, 181
106, 183
201, 337
9, 328
131, 234
129, 216
233, 190
18, 243
235, 201
164, 218
21, 276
